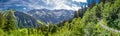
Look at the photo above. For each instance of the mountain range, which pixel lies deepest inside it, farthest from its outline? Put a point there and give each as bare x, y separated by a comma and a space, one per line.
51, 16
25, 20
29, 19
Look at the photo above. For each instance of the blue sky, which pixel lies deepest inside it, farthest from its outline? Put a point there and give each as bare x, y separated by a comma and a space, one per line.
26, 5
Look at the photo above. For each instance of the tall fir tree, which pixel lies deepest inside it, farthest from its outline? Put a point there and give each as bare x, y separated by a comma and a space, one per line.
2, 20
10, 21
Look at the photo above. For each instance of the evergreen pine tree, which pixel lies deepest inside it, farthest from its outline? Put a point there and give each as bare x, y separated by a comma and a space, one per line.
2, 20
10, 21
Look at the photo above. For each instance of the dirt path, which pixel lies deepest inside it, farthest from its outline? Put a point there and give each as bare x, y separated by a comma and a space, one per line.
108, 28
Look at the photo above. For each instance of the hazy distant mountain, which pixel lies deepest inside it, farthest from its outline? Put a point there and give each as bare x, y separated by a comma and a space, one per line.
52, 16
30, 18
25, 20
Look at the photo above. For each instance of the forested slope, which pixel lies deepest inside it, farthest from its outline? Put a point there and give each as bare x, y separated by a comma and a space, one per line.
102, 19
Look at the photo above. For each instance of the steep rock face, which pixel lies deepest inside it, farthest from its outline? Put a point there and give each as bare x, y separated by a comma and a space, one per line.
52, 16
24, 20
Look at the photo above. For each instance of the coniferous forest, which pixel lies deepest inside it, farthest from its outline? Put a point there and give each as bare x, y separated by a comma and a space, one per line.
102, 19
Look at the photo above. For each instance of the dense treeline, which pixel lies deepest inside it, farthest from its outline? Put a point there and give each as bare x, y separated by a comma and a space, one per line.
94, 22
7, 20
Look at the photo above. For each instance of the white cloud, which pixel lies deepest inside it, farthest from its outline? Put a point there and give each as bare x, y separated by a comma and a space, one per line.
75, 7
57, 4
63, 6
24, 8
46, 1
80, 0
49, 4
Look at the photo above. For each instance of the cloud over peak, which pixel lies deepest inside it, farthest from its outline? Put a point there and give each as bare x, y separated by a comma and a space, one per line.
48, 4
